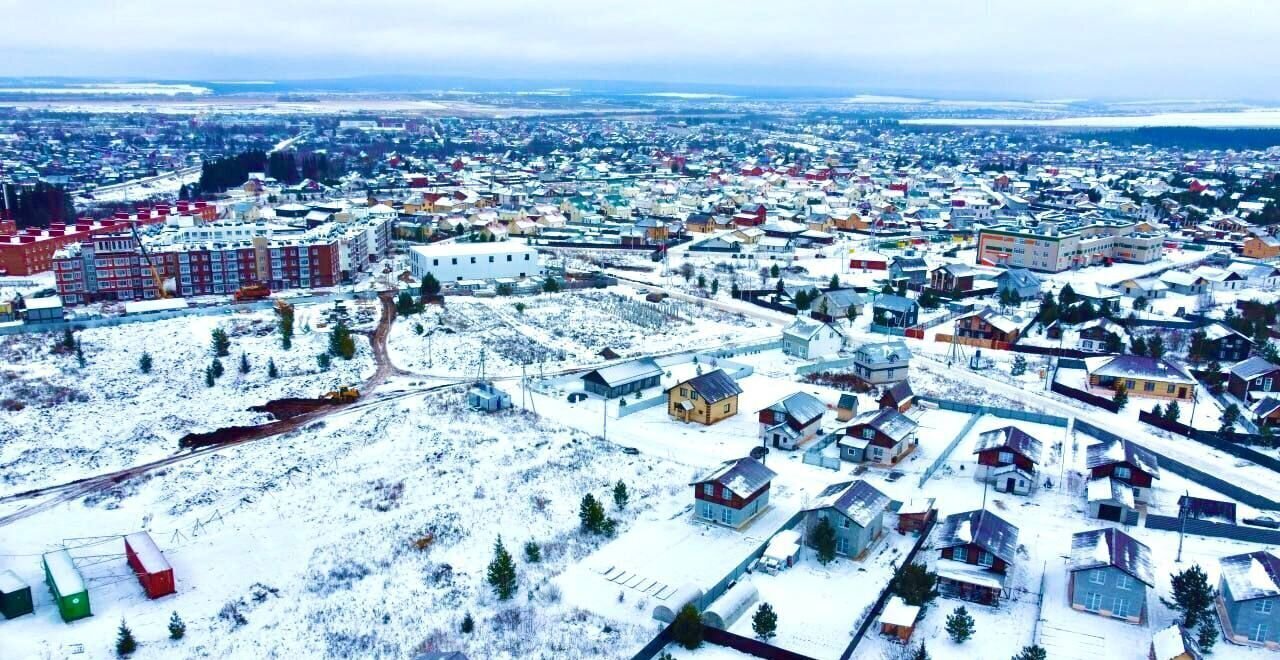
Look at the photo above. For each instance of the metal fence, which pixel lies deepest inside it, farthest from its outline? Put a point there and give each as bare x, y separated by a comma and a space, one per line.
1230, 443
951, 446
1210, 528
732, 576
877, 606
813, 455
823, 365
1085, 397
996, 411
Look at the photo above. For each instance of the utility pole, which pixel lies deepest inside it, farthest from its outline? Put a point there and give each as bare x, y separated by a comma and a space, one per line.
1182, 527
604, 409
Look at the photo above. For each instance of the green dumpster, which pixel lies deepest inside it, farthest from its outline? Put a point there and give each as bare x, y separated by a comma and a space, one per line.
67, 585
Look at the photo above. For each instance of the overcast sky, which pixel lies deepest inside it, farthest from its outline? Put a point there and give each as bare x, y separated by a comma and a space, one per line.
1029, 49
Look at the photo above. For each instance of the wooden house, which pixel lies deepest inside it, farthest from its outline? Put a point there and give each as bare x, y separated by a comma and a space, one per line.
1143, 376
1125, 463
952, 279
915, 515
900, 397
1249, 598
704, 399
976, 549
1252, 378
990, 325
1109, 573
791, 421
855, 510
733, 493
1008, 458
883, 436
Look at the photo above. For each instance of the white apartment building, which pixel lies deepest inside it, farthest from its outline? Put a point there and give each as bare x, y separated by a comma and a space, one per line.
452, 262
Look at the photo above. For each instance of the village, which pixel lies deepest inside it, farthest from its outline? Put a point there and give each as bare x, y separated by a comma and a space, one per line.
788, 398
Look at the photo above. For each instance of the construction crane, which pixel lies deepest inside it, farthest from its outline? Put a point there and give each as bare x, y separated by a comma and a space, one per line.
155, 274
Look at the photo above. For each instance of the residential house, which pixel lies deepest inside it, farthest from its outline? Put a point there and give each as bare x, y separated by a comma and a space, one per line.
882, 363
953, 279
1249, 598
913, 269
701, 223
1187, 284
705, 399
1099, 335
1219, 279
1141, 376
1261, 246
775, 247
831, 306
1124, 462
1109, 574
883, 436
622, 379
1224, 344
1266, 412
811, 339
990, 325
976, 549
895, 311
1144, 287
733, 493
1008, 457
1022, 283
1253, 375
1112, 500
900, 397
791, 421
855, 509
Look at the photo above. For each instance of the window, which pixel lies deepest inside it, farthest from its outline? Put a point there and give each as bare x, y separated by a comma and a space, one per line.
1120, 607
684, 392
844, 523
1258, 633
1123, 472
706, 512
435, 262
960, 554
473, 259
1093, 602
454, 260
526, 257
490, 258
1005, 457
1097, 577
709, 489
1263, 606
1123, 581
1128, 384
1148, 386
728, 407
726, 516
869, 433
508, 257
1169, 388
842, 545
985, 558
725, 494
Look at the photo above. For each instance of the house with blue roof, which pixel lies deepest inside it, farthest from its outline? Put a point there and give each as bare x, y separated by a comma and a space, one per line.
976, 549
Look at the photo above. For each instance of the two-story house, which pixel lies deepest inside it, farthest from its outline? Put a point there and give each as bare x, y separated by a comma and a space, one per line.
1008, 458
1253, 378
705, 399
733, 493
811, 339
952, 279
990, 325
834, 305
895, 311
912, 269
1125, 463
855, 509
883, 436
1249, 598
882, 363
976, 549
1224, 344
1110, 573
791, 421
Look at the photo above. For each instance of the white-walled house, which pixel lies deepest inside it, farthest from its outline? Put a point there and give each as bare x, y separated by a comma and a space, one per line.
811, 339
451, 262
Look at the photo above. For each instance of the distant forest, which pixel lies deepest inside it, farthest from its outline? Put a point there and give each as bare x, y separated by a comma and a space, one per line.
218, 174
1186, 137
38, 205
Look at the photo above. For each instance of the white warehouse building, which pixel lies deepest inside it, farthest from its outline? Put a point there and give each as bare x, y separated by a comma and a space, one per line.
453, 262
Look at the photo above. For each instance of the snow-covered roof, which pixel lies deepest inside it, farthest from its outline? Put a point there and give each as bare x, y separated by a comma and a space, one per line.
858, 500
1252, 575
627, 372
742, 476
1173, 643
894, 303
157, 305
1216, 331
63, 571
959, 571
879, 352
10, 582
1011, 438
805, 330
981, 528
1108, 453
713, 386
1107, 489
801, 407
1181, 278
148, 554
1111, 547
888, 421
898, 613
783, 544
916, 505
48, 302
1138, 366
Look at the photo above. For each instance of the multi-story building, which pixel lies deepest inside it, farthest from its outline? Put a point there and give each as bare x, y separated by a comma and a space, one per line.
1057, 244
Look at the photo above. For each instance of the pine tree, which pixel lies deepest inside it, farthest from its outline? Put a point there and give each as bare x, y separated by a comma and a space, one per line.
1207, 634
244, 363
551, 285
1193, 596
960, 625
144, 363
823, 540
322, 360
765, 622
686, 630
1033, 652
468, 624
68, 339
1138, 346
532, 553
921, 653
1157, 411
209, 380
702, 281
430, 288
1155, 346
591, 514
916, 585
125, 643
177, 629
221, 343
715, 287
502, 572
216, 368
286, 325
851, 313
620, 495
734, 291
1173, 412
1229, 416
773, 270
404, 304
1120, 398
834, 283
1019, 365
272, 372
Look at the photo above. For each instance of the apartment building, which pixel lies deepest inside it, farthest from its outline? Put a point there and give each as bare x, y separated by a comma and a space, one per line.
1051, 246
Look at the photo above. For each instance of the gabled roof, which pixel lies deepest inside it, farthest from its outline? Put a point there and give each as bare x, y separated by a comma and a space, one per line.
900, 392
742, 476
801, 407
1266, 406
888, 421
807, 330
895, 303
627, 372
1252, 575
1138, 366
983, 529
894, 350
1111, 547
1013, 439
1020, 277
713, 386
910, 263
857, 500
1109, 453
842, 298
1216, 331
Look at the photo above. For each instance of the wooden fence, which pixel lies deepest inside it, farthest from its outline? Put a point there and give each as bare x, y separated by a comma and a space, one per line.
1084, 397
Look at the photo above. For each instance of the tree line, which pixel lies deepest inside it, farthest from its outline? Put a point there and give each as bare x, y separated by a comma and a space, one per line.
38, 205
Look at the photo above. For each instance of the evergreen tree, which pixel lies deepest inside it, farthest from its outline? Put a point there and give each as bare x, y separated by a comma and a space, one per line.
1207, 633
960, 625
68, 339
773, 271
285, 311
322, 360
551, 285
272, 372
1155, 346
801, 300
686, 630
715, 287
851, 313
1048, 310
404, 304
916, 585
734, 291
221, 343
430, 288
702, 281
1140, 303
1199, 347
340, 342
125, 643
823, 540
834, 283
620, 495
591, 514
468, 624
1193, 596
765, 622
177, 629
1157, 411
921, 653
1138, 346
779, 288
1033, 652
502, 572
209, 380
244, 363
1120, 398
1006, 300
532, 553
1114, 343
1019, 365
1230, 415
1173, 412
216, 368
144, 363
1067, 296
